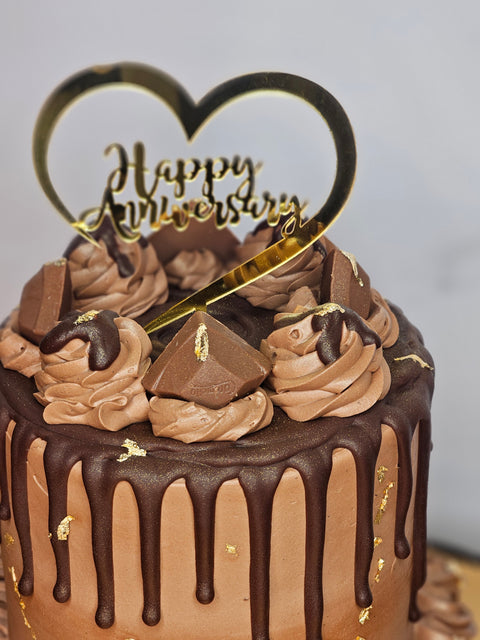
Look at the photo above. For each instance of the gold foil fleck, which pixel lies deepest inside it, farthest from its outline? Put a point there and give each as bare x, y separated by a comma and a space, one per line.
359, 638
8, 539
353, 262
86, 317
63, 529
201, 343
377, 540
380, 565
413, 356
365, 615
231, 549
132, 450
57, 263
383, 504
381, 473
328, 307
21, 601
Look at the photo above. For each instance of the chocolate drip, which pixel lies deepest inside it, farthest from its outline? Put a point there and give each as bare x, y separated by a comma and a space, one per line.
203, 492
113, 244
330, 325
315, 478
257, 460
98, 329
259, 486
58, 462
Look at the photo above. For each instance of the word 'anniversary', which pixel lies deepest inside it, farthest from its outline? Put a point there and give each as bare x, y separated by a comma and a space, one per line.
155, 208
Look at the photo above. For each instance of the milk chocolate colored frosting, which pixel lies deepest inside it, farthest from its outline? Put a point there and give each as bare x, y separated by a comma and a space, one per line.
326, 362
273, 290
258, 461
382, 320
191, 422
92, 366
194, 269
18, 353
124, 277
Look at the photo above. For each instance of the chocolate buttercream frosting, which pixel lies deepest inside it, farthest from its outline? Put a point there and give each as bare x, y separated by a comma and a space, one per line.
92, 366
191, 422
16, 352
124, 277
194, 269
273, 291
326, 361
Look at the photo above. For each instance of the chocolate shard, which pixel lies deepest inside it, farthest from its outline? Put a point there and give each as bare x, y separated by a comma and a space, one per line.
46, 298
208, 364
344, 282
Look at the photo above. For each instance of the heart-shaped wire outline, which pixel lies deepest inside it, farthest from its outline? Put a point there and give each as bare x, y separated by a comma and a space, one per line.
193, 116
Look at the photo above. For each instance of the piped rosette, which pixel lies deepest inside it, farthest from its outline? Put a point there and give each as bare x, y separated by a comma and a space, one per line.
273, 290
206, 385
124, 277
326, 361
92, 366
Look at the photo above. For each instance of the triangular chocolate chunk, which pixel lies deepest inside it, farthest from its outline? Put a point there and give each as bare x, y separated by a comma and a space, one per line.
206, 363
345, 282
46, 298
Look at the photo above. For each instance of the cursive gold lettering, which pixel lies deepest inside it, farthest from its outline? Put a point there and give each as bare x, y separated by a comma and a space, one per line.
156, 208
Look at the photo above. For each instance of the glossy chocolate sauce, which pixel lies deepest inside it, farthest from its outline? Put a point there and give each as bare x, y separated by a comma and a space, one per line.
257, 460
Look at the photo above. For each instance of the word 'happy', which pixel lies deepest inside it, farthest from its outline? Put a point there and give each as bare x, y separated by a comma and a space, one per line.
128, 217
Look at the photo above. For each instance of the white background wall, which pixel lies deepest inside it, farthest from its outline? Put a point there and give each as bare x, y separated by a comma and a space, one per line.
408, 78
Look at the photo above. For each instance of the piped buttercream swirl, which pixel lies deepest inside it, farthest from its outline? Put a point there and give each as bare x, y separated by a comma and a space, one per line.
194, 269
109, 398
273, 290
444, 616
326, 362
382, 320
97, 283
18, 353
192, 422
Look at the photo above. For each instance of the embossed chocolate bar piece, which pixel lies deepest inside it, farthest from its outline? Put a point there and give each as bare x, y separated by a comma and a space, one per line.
208, 364
345, 283
45, 299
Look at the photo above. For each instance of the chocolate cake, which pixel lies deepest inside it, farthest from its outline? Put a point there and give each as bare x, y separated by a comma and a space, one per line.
267, 480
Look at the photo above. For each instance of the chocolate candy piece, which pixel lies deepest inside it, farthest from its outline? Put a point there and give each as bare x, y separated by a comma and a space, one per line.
345, 283
208, 364
45, 299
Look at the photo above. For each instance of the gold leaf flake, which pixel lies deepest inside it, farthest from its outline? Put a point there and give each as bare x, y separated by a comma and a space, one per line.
8, 539
365, 615
87, 316
353, 262
63, 529
383, 504
413, 356
21, 601
201, 343
377, 540
359, 638
328, 307
381, 473
380, 565
231, 549
132, 450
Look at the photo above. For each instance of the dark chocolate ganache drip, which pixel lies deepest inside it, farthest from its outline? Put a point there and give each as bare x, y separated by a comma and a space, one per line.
257, 461
95, 327
107, 233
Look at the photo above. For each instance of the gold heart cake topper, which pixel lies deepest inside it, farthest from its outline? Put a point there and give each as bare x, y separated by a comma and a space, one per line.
297, 234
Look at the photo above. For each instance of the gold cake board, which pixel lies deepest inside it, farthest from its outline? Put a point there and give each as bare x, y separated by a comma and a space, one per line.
452, 584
